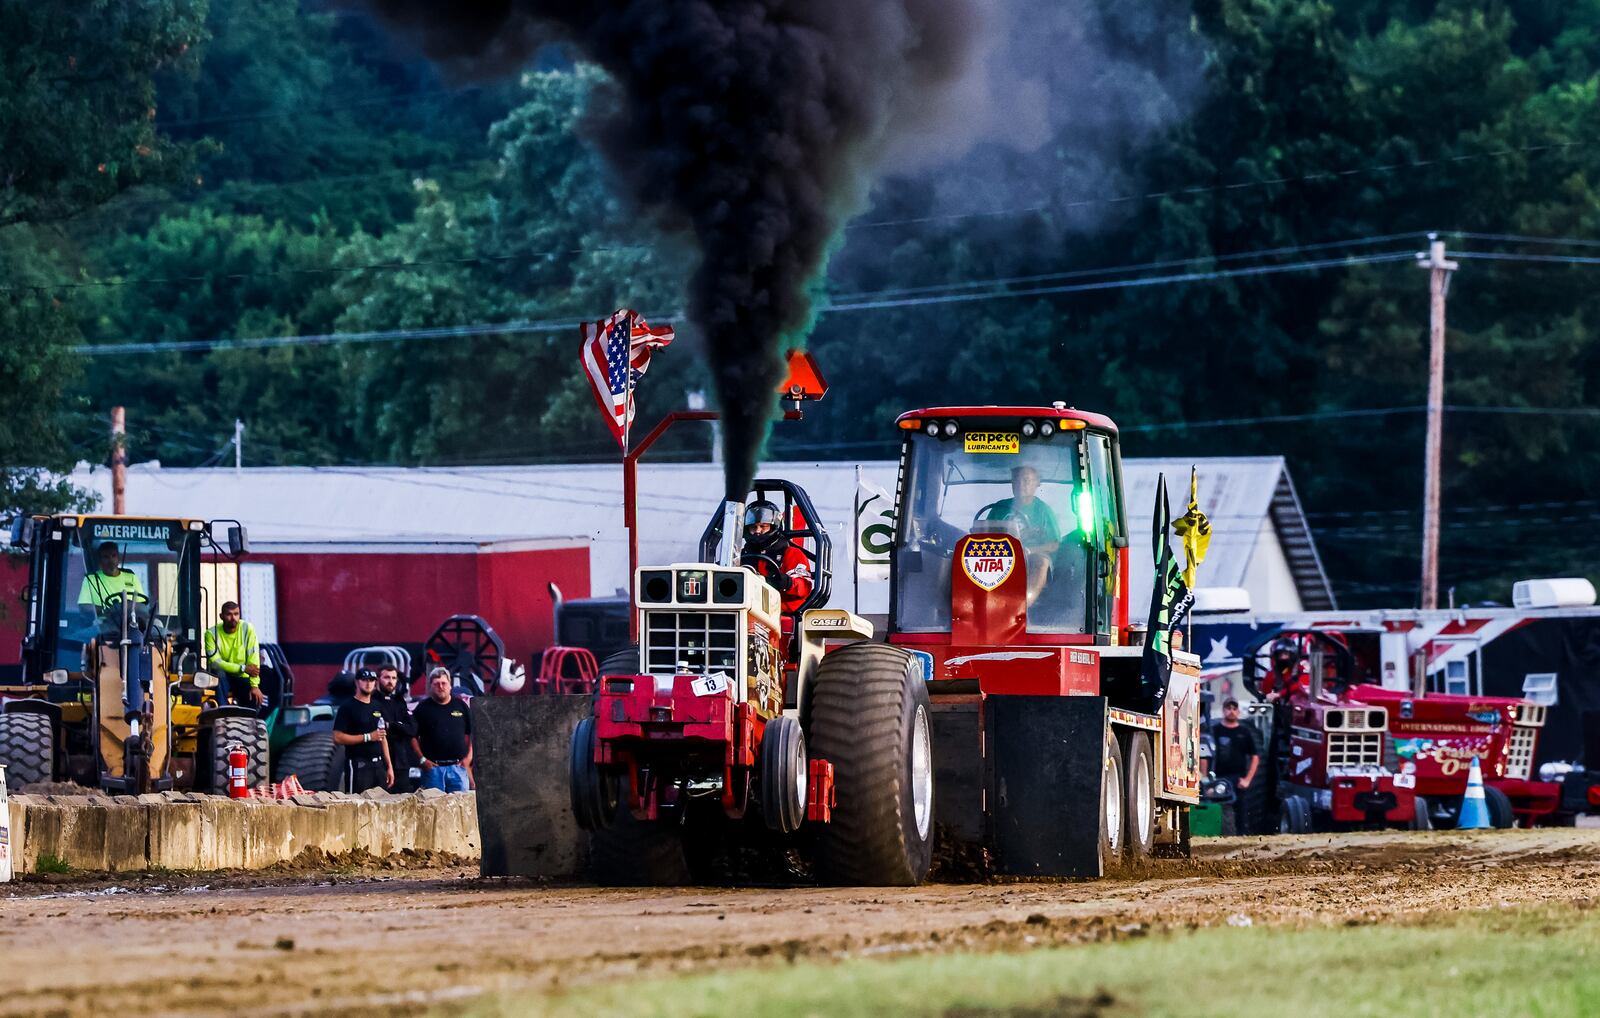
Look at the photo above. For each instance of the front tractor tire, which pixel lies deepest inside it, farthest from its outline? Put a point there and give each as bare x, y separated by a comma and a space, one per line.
783, 775
594, 794
27, 749
867, 713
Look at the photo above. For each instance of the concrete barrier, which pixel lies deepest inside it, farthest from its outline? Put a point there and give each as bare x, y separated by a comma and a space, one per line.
176, 831
520, 760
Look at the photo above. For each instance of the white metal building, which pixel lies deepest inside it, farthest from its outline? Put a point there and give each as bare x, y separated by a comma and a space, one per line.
1260, 543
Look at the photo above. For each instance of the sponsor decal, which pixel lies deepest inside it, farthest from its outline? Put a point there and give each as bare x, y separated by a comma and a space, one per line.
1078, 657
711, 685
1405, 781
1488, 717
829, 622
128, 532
1303, 766
988, 561
1002, 442
924, 663
999, 655
1308, 734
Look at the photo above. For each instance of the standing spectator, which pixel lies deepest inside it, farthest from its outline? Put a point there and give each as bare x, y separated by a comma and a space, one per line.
233, 649
1238, 756
444, 736
391, 696
360, 728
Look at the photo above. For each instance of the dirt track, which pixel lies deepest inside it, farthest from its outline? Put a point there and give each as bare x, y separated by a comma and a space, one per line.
388, 944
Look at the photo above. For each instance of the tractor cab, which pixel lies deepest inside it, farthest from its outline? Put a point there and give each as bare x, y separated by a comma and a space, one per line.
1037, 492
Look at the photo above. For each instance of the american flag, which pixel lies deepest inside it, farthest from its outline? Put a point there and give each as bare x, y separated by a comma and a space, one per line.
615, 354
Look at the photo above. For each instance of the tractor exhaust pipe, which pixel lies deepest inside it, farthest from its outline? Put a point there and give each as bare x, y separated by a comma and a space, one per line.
732, 542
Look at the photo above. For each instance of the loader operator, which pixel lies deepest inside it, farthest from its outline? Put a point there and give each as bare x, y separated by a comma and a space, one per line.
109, 581
764, 542
233, 648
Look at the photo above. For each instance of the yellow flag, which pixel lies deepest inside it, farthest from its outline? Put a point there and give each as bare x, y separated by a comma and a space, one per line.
1194, 530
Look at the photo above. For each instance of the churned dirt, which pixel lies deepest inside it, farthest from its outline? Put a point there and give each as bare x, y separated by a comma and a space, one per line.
360, 940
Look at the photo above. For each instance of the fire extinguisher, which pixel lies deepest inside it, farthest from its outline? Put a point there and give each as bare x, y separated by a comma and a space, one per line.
238, 763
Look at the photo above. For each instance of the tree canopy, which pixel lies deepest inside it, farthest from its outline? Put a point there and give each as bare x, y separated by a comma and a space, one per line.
269, 168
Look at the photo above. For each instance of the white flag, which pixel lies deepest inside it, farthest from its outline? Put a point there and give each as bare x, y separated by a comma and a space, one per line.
874, 531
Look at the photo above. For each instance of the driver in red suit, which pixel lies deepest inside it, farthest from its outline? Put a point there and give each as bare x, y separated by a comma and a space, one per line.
1288, 672
763, 536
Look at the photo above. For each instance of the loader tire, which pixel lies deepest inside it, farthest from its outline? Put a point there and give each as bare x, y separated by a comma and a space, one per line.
1420, 820
1139, 813
315, 760
867, 713
27, 749
251, 733
639, 853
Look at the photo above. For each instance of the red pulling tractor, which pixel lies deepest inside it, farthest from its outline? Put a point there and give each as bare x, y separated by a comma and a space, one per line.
1006, 679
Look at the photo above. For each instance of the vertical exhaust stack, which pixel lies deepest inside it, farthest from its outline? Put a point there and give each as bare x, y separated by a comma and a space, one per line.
732, 542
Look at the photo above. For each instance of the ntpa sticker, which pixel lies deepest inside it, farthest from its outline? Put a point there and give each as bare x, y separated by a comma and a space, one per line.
988, 561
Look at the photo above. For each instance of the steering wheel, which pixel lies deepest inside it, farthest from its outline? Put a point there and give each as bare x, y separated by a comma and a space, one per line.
776, 576
115, 599
1005, 525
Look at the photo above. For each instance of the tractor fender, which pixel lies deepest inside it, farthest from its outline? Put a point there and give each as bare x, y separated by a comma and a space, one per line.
211, 715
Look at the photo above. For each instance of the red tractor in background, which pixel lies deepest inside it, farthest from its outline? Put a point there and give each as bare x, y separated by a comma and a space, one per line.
1007, 678
1434, 736
1325, 749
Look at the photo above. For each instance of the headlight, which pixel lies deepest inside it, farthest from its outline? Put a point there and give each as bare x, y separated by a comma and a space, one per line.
950, 429
56, 676
1029, 429
729, 588
1046, 429
655, 586
205, 680
932, 428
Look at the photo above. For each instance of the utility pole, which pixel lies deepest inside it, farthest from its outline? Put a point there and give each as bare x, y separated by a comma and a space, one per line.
119, 460
238, 445
1438, 289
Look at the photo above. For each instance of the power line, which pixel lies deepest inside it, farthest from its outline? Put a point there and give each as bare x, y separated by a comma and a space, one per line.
549, 326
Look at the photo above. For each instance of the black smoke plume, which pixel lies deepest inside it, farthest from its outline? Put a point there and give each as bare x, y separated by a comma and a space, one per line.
754, 125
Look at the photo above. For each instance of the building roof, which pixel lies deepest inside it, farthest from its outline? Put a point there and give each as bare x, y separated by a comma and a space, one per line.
582, 502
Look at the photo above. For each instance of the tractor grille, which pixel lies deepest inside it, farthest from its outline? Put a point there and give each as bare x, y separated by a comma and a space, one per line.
1519, 755
691, 642
1355, 749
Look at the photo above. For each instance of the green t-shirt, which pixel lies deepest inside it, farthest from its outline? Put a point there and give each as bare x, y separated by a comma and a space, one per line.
1038, 521
98, 588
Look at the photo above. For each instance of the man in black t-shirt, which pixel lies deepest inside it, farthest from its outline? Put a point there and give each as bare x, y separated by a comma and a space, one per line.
1238, 756
360, 727
444, 736
391, 696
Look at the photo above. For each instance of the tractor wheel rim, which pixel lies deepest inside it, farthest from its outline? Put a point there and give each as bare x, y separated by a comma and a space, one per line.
921, 773
1112, 795
800, 773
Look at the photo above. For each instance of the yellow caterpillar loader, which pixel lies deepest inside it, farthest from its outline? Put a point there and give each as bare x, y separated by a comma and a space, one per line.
114, 691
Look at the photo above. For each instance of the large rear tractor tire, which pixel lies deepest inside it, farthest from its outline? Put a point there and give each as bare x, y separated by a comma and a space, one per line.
622, 662
783, 775
251, 733
27, 749
594, 795
315, 760
1139, 775
867, 713
1113, 806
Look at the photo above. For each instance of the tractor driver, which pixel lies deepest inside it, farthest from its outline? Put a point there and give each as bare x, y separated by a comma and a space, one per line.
1286, 674
763, 536
1036, 525
110, 580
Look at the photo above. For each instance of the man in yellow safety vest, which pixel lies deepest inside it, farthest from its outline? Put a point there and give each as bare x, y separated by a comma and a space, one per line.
110, 580
234, 651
